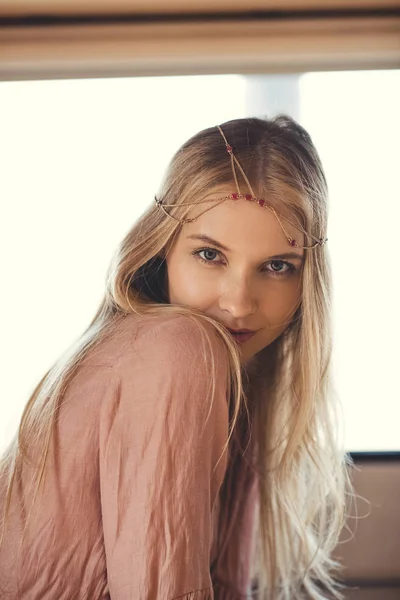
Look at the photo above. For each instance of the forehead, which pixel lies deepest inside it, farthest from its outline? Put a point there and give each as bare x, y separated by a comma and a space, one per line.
244, 225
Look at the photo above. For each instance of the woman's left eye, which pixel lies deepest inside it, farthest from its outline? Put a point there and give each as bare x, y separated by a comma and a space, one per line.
280, 267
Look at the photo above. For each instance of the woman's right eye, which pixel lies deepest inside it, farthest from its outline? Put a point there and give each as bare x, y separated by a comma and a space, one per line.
207, 255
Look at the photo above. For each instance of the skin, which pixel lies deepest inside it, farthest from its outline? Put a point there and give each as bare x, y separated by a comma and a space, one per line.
247, 285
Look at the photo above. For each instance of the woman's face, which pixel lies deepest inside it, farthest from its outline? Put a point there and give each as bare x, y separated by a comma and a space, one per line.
235, 264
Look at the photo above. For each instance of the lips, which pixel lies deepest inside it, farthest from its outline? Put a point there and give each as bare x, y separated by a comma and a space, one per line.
243, 335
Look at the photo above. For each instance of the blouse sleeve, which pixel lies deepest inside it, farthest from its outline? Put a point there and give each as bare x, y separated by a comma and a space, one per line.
160, 441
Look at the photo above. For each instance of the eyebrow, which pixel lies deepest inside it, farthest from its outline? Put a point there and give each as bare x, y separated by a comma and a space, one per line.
210, 240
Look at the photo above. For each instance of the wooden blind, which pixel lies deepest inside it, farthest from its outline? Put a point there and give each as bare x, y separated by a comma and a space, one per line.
37, 7
56, 45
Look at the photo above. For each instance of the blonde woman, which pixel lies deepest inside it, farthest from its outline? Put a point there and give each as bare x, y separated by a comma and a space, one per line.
185, 447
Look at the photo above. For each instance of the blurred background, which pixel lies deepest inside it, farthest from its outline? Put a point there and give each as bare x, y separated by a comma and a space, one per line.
95, 97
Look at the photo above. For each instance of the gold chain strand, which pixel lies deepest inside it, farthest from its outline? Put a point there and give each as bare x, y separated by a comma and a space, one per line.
262, 203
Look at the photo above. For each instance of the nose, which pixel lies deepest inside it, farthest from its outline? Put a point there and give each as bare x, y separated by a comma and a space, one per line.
238, 298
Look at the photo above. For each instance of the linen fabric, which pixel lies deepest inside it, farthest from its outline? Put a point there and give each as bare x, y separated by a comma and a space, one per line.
139, 501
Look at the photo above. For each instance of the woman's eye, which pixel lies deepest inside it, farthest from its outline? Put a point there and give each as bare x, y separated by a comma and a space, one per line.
280, 267
208, 254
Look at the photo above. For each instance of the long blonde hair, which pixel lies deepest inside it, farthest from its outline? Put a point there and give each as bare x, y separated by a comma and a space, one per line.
302, 472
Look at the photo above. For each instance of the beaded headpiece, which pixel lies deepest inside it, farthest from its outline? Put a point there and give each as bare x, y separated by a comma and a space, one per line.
251, 197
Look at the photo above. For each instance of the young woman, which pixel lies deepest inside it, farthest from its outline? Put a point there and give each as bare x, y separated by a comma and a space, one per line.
186, 446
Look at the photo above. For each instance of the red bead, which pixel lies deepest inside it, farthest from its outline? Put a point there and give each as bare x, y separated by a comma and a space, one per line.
293, 243
235, 196
261, 202
249, 197
229, 149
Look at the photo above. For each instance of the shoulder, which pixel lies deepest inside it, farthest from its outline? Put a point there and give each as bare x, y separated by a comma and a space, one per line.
167, 339
174, 366
164, 338
173, 329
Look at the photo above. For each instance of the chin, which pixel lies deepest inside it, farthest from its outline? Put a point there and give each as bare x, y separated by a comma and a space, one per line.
249, 354
246, 356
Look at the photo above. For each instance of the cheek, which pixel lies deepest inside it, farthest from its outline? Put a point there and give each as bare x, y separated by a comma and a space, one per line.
186, 285
280, 302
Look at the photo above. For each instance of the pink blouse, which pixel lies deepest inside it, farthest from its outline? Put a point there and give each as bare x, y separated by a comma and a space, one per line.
130, 508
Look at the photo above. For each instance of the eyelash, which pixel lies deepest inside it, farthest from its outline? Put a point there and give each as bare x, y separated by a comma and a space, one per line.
290, 266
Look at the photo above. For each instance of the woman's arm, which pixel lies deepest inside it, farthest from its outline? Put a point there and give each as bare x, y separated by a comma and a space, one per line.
159, 442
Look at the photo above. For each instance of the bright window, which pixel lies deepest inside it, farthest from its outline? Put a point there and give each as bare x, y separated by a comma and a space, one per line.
82, 159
